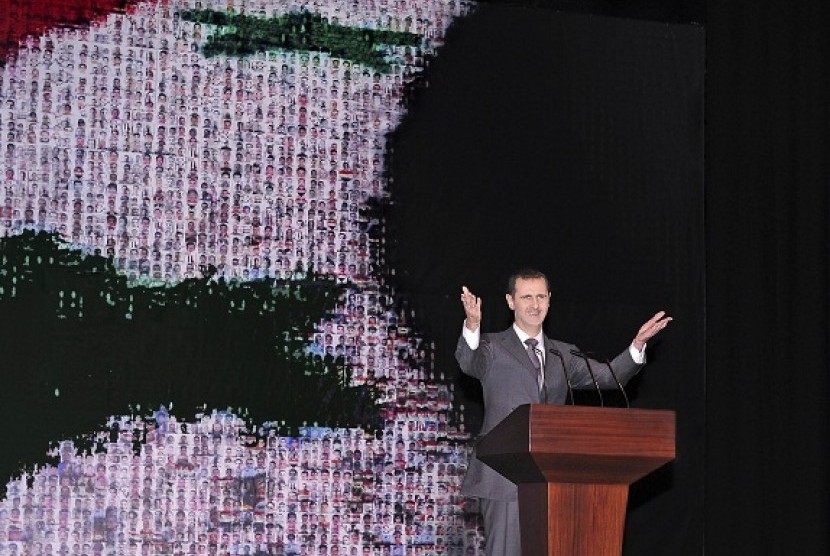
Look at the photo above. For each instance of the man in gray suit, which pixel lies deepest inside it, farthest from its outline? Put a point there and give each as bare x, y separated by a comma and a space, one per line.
518, 366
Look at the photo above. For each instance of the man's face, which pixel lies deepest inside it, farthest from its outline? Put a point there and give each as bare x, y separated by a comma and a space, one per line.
529, 302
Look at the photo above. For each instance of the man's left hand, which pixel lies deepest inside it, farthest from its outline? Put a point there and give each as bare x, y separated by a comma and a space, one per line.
650, 329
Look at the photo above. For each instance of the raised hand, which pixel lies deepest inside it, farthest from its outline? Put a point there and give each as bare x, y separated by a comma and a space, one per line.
650, 329
472, 309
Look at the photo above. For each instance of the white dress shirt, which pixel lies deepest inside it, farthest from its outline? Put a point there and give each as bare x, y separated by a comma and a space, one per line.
473, 337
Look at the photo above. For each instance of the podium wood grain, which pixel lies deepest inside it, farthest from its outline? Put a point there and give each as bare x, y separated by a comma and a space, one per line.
573, 466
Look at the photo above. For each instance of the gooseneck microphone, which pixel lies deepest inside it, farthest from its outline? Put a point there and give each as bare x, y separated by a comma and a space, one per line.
543, 392
613, 374
558, 354
591, 372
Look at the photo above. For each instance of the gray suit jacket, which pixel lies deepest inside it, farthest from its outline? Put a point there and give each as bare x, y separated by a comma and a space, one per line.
509, 380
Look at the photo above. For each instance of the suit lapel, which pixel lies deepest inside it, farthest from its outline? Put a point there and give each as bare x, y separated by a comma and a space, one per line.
514, 346
554, 373
551, 361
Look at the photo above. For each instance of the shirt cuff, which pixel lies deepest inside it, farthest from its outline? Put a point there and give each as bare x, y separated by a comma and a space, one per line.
471, 337
638, 356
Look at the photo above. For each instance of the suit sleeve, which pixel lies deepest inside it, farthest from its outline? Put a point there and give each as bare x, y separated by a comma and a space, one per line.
474, 362
624, 367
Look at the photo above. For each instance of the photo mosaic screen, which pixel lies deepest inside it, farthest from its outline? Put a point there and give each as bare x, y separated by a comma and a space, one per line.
209, 356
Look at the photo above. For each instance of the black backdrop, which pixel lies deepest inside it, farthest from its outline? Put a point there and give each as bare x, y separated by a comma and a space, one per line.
573, 144
767, 278
767, 283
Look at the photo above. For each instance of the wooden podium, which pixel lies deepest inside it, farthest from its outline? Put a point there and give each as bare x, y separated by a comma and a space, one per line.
573, 466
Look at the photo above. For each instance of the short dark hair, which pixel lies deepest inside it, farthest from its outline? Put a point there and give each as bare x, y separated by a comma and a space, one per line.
525, 274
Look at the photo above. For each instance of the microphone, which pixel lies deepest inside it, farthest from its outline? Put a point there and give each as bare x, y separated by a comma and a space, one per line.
558, 354
591, 372
543, 393
625, 396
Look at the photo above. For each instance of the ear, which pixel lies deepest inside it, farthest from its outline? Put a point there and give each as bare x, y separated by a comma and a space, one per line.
509, 299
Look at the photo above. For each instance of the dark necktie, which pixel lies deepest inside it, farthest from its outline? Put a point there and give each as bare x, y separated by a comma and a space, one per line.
535, 358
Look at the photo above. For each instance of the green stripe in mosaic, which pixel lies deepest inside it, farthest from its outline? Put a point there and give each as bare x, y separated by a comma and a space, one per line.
243, 35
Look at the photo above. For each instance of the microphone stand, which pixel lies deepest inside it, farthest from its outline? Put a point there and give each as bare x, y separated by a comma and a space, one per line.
619, 384
558, 354
591, 372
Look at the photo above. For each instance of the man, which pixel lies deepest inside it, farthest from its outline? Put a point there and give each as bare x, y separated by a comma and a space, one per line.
519, 366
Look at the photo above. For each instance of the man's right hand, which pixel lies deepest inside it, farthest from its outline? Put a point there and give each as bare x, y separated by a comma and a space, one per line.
472, 309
